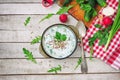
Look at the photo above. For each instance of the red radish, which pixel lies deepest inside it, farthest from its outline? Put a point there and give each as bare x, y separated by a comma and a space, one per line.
107, 21
47, 3
63, 18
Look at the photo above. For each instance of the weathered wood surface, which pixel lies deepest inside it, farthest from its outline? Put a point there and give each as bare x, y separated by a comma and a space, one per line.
22, 66
14, 50
19, 1
27, 9
16, 22
64, 77
14, 36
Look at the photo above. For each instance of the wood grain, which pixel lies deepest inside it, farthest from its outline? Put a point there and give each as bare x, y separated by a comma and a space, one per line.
23, 66
116, 76
27, 9
14, 36
16, 22
6, 51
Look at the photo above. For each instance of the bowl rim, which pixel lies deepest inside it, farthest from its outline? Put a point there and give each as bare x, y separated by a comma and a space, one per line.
67, 26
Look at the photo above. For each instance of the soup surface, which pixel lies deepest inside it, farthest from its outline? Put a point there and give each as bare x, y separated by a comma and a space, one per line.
59, 41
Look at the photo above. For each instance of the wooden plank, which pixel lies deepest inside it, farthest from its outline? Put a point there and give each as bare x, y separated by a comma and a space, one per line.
63, 77
14, 50
22, 66
27, 9
16, 22
17, 36
19, 1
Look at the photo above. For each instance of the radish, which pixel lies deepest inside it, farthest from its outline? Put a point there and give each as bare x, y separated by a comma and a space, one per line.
108, 11
47, 3
107, 21
63, 18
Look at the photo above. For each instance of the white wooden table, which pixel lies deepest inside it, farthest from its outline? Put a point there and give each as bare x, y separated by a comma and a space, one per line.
14, 36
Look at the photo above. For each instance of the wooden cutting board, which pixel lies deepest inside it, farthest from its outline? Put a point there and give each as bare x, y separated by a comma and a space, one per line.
78, 13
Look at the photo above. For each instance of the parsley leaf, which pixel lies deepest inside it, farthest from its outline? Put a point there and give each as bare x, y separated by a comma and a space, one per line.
47, 17
27, 21
86, 7
64, 9
36, 40
98, 26
29, 55
63, 37
57, 35
78, 63
55, 69
60, 37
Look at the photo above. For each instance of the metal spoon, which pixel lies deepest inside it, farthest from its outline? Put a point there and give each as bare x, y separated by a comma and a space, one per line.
82, 31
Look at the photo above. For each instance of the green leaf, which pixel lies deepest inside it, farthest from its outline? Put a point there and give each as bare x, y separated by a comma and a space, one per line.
66, 2
105, 34
80, 1
98, 26
86, 7
27, 21
46, 17
103, 40
64, 9
63, 37
58, 35
29, 55
55, 69
36, 40
91, 52
78, 63
94, 12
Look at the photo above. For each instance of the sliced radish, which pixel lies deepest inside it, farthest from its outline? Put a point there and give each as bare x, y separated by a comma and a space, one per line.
108, 11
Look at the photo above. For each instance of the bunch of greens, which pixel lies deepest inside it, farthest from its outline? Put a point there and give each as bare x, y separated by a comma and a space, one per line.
115, 27
101, 35
55, 69
89, 7
60, 37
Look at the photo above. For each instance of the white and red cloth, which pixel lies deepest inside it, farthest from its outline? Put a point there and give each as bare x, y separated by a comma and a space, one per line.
112, 55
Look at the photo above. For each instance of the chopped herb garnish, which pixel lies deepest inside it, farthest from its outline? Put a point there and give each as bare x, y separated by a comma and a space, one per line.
60, 11
36, 40
47, 17
51, 51
27, 21
55, 69
29, 55
64, 9
78, 63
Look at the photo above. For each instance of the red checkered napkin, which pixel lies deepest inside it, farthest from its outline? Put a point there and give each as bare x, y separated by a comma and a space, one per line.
112, 55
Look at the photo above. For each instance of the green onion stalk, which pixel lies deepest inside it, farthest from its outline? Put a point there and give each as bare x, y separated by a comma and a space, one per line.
115, 27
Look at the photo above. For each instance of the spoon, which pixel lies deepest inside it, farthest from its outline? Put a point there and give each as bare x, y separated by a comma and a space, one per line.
82, 31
